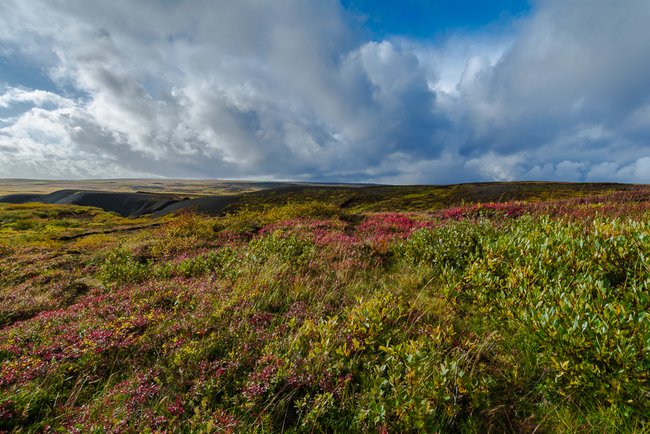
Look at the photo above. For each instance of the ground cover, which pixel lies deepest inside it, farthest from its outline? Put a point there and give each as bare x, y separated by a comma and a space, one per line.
312, 316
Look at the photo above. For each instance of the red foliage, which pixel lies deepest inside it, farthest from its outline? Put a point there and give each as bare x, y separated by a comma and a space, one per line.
176, 408
384, 227
260, 381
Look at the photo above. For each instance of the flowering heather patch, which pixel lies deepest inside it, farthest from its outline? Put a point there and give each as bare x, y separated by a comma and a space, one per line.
334, 238
333, 232
375, 228
627, 204
176, 408
494, 317
486, 210
633, 203
261, 380
384, 227
223, 422
303, 225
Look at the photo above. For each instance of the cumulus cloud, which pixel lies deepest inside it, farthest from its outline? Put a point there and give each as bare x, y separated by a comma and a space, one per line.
566, 90
293, 90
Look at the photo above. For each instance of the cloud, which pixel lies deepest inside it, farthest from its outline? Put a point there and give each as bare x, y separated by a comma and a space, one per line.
40, 98
293, 90
566, 88
637, 171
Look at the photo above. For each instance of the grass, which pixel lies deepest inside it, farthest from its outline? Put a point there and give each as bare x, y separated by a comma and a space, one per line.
312, 315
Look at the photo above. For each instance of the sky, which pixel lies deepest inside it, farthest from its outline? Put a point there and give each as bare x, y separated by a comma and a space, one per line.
400, 91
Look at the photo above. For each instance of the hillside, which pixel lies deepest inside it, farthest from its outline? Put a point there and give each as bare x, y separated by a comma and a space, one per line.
506, 307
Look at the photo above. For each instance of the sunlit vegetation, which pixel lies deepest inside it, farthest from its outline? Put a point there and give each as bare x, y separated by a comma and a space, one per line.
307, 316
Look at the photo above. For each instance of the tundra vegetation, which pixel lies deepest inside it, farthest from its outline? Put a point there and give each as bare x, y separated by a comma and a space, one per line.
303, 316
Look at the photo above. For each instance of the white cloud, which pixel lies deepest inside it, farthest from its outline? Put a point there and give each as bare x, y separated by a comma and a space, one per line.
39, 143
496, 167
637, 171
290, 89
14, 95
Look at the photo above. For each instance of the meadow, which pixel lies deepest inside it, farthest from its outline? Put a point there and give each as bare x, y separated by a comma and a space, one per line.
318, 314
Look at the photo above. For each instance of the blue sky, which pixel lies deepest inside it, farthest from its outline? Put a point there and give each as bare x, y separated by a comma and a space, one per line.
407, 91
426, 19
17, 71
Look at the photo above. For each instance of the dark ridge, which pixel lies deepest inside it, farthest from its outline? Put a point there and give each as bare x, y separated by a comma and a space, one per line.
19, 198
124, 204
212, 205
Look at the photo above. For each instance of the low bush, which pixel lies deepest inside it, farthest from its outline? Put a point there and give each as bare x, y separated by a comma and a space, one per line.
222, 262
452, 246
290, 249
120, 267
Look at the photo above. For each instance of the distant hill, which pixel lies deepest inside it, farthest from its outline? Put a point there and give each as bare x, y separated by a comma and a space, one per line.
125, 204
347, 196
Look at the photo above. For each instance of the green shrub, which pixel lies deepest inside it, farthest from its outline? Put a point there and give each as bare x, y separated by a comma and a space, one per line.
66, 223
290, 249
580, 295
453, 246
121, 267
220, 262
24, 225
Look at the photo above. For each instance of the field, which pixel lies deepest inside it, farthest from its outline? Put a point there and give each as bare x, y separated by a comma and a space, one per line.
170, 186
476, 308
